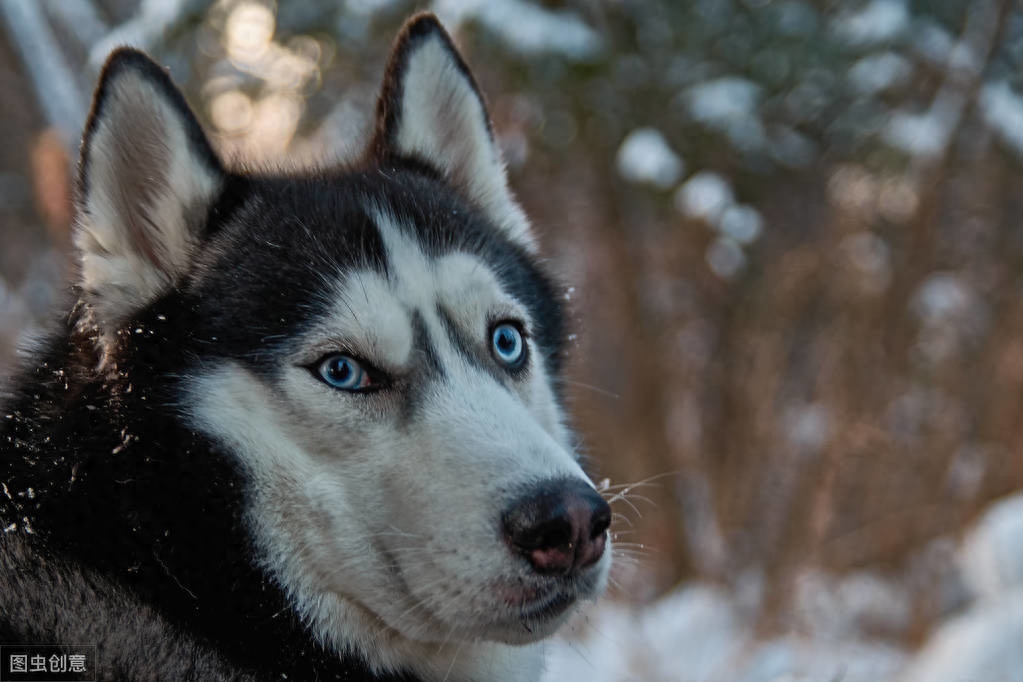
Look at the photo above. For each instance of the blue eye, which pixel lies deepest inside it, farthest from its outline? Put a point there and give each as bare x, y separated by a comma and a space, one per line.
343, 373
508, 345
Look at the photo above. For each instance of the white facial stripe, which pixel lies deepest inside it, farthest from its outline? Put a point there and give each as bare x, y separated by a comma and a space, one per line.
470, 293
370, 321
462, 283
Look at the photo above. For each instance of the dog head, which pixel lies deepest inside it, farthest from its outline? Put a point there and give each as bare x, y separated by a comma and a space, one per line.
378, 346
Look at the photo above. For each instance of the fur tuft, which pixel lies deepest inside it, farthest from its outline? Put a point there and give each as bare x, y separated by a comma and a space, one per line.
431, 111
146, 180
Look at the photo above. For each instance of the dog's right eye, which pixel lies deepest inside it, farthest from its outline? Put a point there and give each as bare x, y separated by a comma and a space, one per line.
344, 373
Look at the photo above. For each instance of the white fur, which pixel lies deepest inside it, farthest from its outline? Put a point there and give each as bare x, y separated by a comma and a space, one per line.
134, 248
387, 534
443, 121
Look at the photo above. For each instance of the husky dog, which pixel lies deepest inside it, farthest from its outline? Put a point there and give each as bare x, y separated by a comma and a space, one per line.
302, 426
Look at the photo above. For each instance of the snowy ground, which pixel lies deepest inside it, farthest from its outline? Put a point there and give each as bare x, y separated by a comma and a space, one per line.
702, 632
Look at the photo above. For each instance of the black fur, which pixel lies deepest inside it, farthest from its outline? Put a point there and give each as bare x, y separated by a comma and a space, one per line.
134, 521
136, 642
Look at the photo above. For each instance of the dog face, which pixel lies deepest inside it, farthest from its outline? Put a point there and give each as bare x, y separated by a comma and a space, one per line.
377, 346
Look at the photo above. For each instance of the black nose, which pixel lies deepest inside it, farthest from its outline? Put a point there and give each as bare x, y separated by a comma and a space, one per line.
558, 526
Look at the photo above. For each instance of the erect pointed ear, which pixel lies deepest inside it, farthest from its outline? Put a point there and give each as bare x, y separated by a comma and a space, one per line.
430, 109
146, 180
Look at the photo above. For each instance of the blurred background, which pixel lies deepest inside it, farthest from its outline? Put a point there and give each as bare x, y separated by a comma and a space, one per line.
789, 232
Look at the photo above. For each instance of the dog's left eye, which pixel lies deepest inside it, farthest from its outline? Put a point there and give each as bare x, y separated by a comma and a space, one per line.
344, 373
508, 345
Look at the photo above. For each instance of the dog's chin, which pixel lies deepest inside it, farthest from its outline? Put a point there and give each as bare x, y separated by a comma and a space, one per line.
520, 611
536, 618
529, 614
534, 623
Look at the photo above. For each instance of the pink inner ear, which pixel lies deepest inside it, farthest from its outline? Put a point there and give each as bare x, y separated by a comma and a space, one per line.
431, 110
140, 163
147, 178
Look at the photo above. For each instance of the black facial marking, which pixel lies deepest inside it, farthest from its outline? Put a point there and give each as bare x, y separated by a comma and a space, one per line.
473, 350
277, 261
433, 214
423, 344
416, 385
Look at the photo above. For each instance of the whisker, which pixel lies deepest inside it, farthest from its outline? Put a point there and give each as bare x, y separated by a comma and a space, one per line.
619, 498
595, 389
606, 483
578, 651
634, 547
633, 496
452, 665
615, 516
446, 639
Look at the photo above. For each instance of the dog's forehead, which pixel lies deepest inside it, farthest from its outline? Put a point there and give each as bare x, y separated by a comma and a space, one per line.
423, 278
381, 309
361, 254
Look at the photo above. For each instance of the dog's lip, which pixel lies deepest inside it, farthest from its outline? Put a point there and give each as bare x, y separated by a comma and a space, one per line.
552, 607
540, 604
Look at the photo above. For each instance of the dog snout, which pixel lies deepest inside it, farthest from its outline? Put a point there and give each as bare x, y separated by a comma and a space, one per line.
559, 526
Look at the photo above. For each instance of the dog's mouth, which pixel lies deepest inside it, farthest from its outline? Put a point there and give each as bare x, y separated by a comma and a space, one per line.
533, 614
547, 608
541, 605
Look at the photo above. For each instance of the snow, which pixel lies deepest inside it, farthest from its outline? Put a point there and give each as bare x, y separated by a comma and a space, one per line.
707, 196
840, 627
943, 297
932, 42
725, 258
703, 633
983, 644
992, 555
952, 315
741, 223
688, 636
795, 18
918, 134
645, 157
966, 471
879, 72
790, 148
730, 106
524, 27
704, 196
809, 427
859, 605
879, 21
1002, 110
729, 97
875, 604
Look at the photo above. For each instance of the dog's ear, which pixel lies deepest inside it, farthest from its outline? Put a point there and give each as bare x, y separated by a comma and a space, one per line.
146, 180
431, 110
